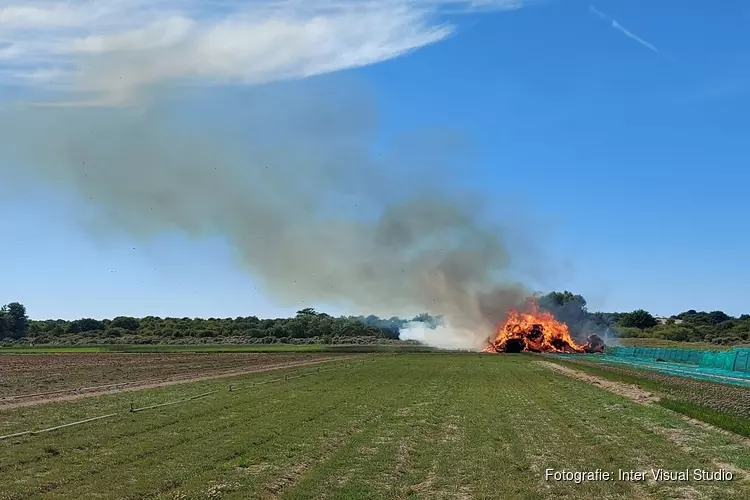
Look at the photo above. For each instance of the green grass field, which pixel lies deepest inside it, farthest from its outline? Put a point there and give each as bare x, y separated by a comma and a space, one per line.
645, 342
377, 426
723, 405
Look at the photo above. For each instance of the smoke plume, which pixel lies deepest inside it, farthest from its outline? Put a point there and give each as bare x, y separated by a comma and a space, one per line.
295, 177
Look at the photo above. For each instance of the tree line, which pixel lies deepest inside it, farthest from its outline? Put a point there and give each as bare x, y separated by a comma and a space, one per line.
311, 326
307, 326
691, 326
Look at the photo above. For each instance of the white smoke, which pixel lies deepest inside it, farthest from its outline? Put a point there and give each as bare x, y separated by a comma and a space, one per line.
443, 336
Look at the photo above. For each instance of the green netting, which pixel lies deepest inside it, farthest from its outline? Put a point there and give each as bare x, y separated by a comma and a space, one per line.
685, 356
722, 359
734, 363
719, 360
694, 358
732, 367
729, 360
708, 360
742, 361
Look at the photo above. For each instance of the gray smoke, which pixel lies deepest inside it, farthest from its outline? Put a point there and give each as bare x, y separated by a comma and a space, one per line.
580, 322
295, 177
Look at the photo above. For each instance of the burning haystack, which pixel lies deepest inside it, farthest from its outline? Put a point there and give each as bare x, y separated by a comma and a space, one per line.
538, 331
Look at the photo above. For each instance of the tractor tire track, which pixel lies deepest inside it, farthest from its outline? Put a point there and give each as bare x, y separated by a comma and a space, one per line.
151, 384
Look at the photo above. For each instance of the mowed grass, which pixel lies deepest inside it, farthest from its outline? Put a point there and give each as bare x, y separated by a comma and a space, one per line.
377, 426
723, 405
649, 342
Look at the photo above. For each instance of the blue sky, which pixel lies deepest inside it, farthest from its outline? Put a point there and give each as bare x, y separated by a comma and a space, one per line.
620, 142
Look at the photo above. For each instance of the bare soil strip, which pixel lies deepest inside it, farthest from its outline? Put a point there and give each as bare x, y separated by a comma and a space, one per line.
150, 384
630, 391
706, 426
638, 395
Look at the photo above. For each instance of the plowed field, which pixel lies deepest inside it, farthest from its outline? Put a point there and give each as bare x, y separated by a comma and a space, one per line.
50, 376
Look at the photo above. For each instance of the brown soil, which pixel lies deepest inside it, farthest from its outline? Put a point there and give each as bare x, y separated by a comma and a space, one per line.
24, 374
630, 391
99, 390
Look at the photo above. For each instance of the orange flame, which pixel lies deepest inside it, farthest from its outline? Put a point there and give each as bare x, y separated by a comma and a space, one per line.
534, 331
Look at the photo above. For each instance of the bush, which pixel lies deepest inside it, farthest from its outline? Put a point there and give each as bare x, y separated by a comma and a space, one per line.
126, 323
639, 318
627, 332
116, 331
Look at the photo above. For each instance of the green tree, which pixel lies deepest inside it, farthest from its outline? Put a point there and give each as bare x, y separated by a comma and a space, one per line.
307, 311
13, 320
4, 322
568, 308
125, 322
639, 318
561, 299
717, 317
85, 325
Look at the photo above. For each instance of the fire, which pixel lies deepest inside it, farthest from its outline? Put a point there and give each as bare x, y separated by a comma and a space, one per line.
538, 331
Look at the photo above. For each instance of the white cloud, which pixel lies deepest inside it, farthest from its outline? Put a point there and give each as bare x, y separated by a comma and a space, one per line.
622, 29
163, 33
107, 50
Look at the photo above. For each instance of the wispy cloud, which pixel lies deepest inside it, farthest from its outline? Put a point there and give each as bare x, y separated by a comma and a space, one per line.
106, 50
622, 29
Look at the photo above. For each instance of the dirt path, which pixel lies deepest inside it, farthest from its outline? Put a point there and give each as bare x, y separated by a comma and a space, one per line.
631, 391
642, 396
14, 402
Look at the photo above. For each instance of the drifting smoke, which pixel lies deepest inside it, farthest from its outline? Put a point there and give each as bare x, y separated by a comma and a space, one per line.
443, 336
579, 321
610, 338
290, 179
